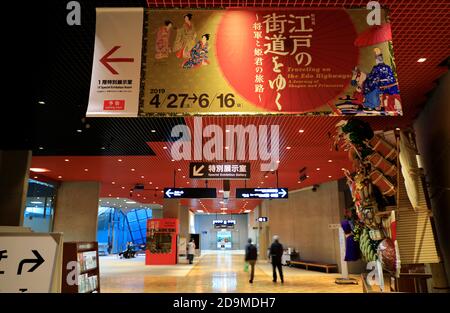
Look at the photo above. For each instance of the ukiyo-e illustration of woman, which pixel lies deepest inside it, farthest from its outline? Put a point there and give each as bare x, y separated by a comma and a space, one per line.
198, 54
162, 47
185, 39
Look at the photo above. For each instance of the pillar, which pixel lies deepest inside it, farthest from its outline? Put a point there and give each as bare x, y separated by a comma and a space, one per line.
173, 209
14, 167
76, 211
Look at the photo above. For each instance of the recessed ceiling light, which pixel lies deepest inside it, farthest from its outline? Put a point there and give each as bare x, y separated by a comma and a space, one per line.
113, 182
298, 182
120, 160
227, 130
307, 176
130, 202
79, 131
278, 161
59, 176
266, 176
153, 131
39, 170
288, 148
41, 102
187, 182
117, 198
66, 160
226, 148
247, 211
157, 187
173, 160
145, 198
301, 131
179, 170
164, 147
200, 211
86, 169
318, 169
123, 187
421, 60
142, 176
41, 148
329, 161
397, 128
329, 176
103, 148
154, 202
109, 195
184, 176
262, 182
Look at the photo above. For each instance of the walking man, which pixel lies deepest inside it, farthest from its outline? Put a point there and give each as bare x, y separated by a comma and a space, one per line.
191, 251
276, 252
251, 254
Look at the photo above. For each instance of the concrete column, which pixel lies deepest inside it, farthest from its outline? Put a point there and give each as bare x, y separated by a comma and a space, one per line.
173, 209
76, 210
264, 230
14, 167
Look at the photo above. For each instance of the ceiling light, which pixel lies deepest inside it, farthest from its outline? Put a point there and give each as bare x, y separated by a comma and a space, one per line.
220, 191
153, 131
66, 160
145, 198
301, 131
113, 183
278, 161
187, 182
298, 182
164, 147
247, 211
421, 60
288, 148
266, 176
200, 211
86, 169
117, 198
226, 148
142, 176
132, 169
39, 170
157, 187
179, 170
329, 161
103, 148
41, 102
397, 128
130, 202
120, 160
123, 187
223, 209
318, 169
173, 160
184, 176
109, 195
329, 176
79, 131
59, 176
41, 148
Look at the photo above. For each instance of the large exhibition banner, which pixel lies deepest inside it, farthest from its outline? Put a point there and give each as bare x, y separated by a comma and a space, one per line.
277, 61
116, 68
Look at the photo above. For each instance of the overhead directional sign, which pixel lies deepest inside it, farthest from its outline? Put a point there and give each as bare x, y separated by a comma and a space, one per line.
189, 193
205, 170
262, 193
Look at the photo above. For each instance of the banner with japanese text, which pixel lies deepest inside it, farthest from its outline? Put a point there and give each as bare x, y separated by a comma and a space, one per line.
116, 69
269, 61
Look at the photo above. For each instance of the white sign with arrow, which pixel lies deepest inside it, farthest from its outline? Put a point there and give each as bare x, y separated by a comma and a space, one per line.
262, 193
28, 262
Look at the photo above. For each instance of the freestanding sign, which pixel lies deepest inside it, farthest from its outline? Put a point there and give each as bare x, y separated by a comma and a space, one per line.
262, 193
205, 170
116, 68
30, 262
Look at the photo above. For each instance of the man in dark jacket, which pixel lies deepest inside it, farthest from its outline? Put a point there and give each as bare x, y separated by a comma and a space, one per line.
251, 254
276, 252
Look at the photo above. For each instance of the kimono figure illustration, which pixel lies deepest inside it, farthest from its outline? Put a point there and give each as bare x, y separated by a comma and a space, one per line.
162, 48
378, 89
185, 38
198, 54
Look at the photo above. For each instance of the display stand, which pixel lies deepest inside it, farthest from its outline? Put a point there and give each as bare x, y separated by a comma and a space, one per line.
86, 256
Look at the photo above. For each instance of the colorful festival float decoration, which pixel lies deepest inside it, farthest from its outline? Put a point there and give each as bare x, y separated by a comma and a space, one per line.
370, 225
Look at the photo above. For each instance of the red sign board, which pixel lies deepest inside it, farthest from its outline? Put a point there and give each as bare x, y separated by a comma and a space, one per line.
114, 105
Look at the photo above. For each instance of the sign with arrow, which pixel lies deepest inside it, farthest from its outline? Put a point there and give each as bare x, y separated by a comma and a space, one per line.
206, 170
262, 193
190, 193
30, 262
116, 70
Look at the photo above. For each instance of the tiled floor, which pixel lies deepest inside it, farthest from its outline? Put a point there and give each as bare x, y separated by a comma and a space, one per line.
218, 272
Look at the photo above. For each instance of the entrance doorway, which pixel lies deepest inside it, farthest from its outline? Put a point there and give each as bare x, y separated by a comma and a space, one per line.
224, 240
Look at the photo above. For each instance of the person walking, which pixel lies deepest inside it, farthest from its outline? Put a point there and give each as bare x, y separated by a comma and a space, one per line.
191, 250
276, 252
251, 254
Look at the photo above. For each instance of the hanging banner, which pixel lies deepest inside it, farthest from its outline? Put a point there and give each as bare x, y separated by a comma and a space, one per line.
116, 68
261, 61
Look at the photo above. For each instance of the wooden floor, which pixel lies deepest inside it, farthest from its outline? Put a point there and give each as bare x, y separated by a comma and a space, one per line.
221, 272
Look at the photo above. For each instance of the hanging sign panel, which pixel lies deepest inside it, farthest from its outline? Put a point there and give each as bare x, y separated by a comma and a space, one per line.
190, 193
262, 193
206, 170
116, 68
260, 61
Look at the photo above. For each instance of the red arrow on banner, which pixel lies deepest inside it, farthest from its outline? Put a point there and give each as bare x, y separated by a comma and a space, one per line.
105, 60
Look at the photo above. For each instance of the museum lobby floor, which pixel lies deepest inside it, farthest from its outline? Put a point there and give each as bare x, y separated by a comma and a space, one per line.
221, 271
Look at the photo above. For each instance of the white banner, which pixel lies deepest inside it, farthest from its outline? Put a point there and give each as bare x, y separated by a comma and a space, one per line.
116, 67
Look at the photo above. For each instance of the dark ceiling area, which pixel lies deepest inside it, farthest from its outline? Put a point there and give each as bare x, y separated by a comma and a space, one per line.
51, 65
